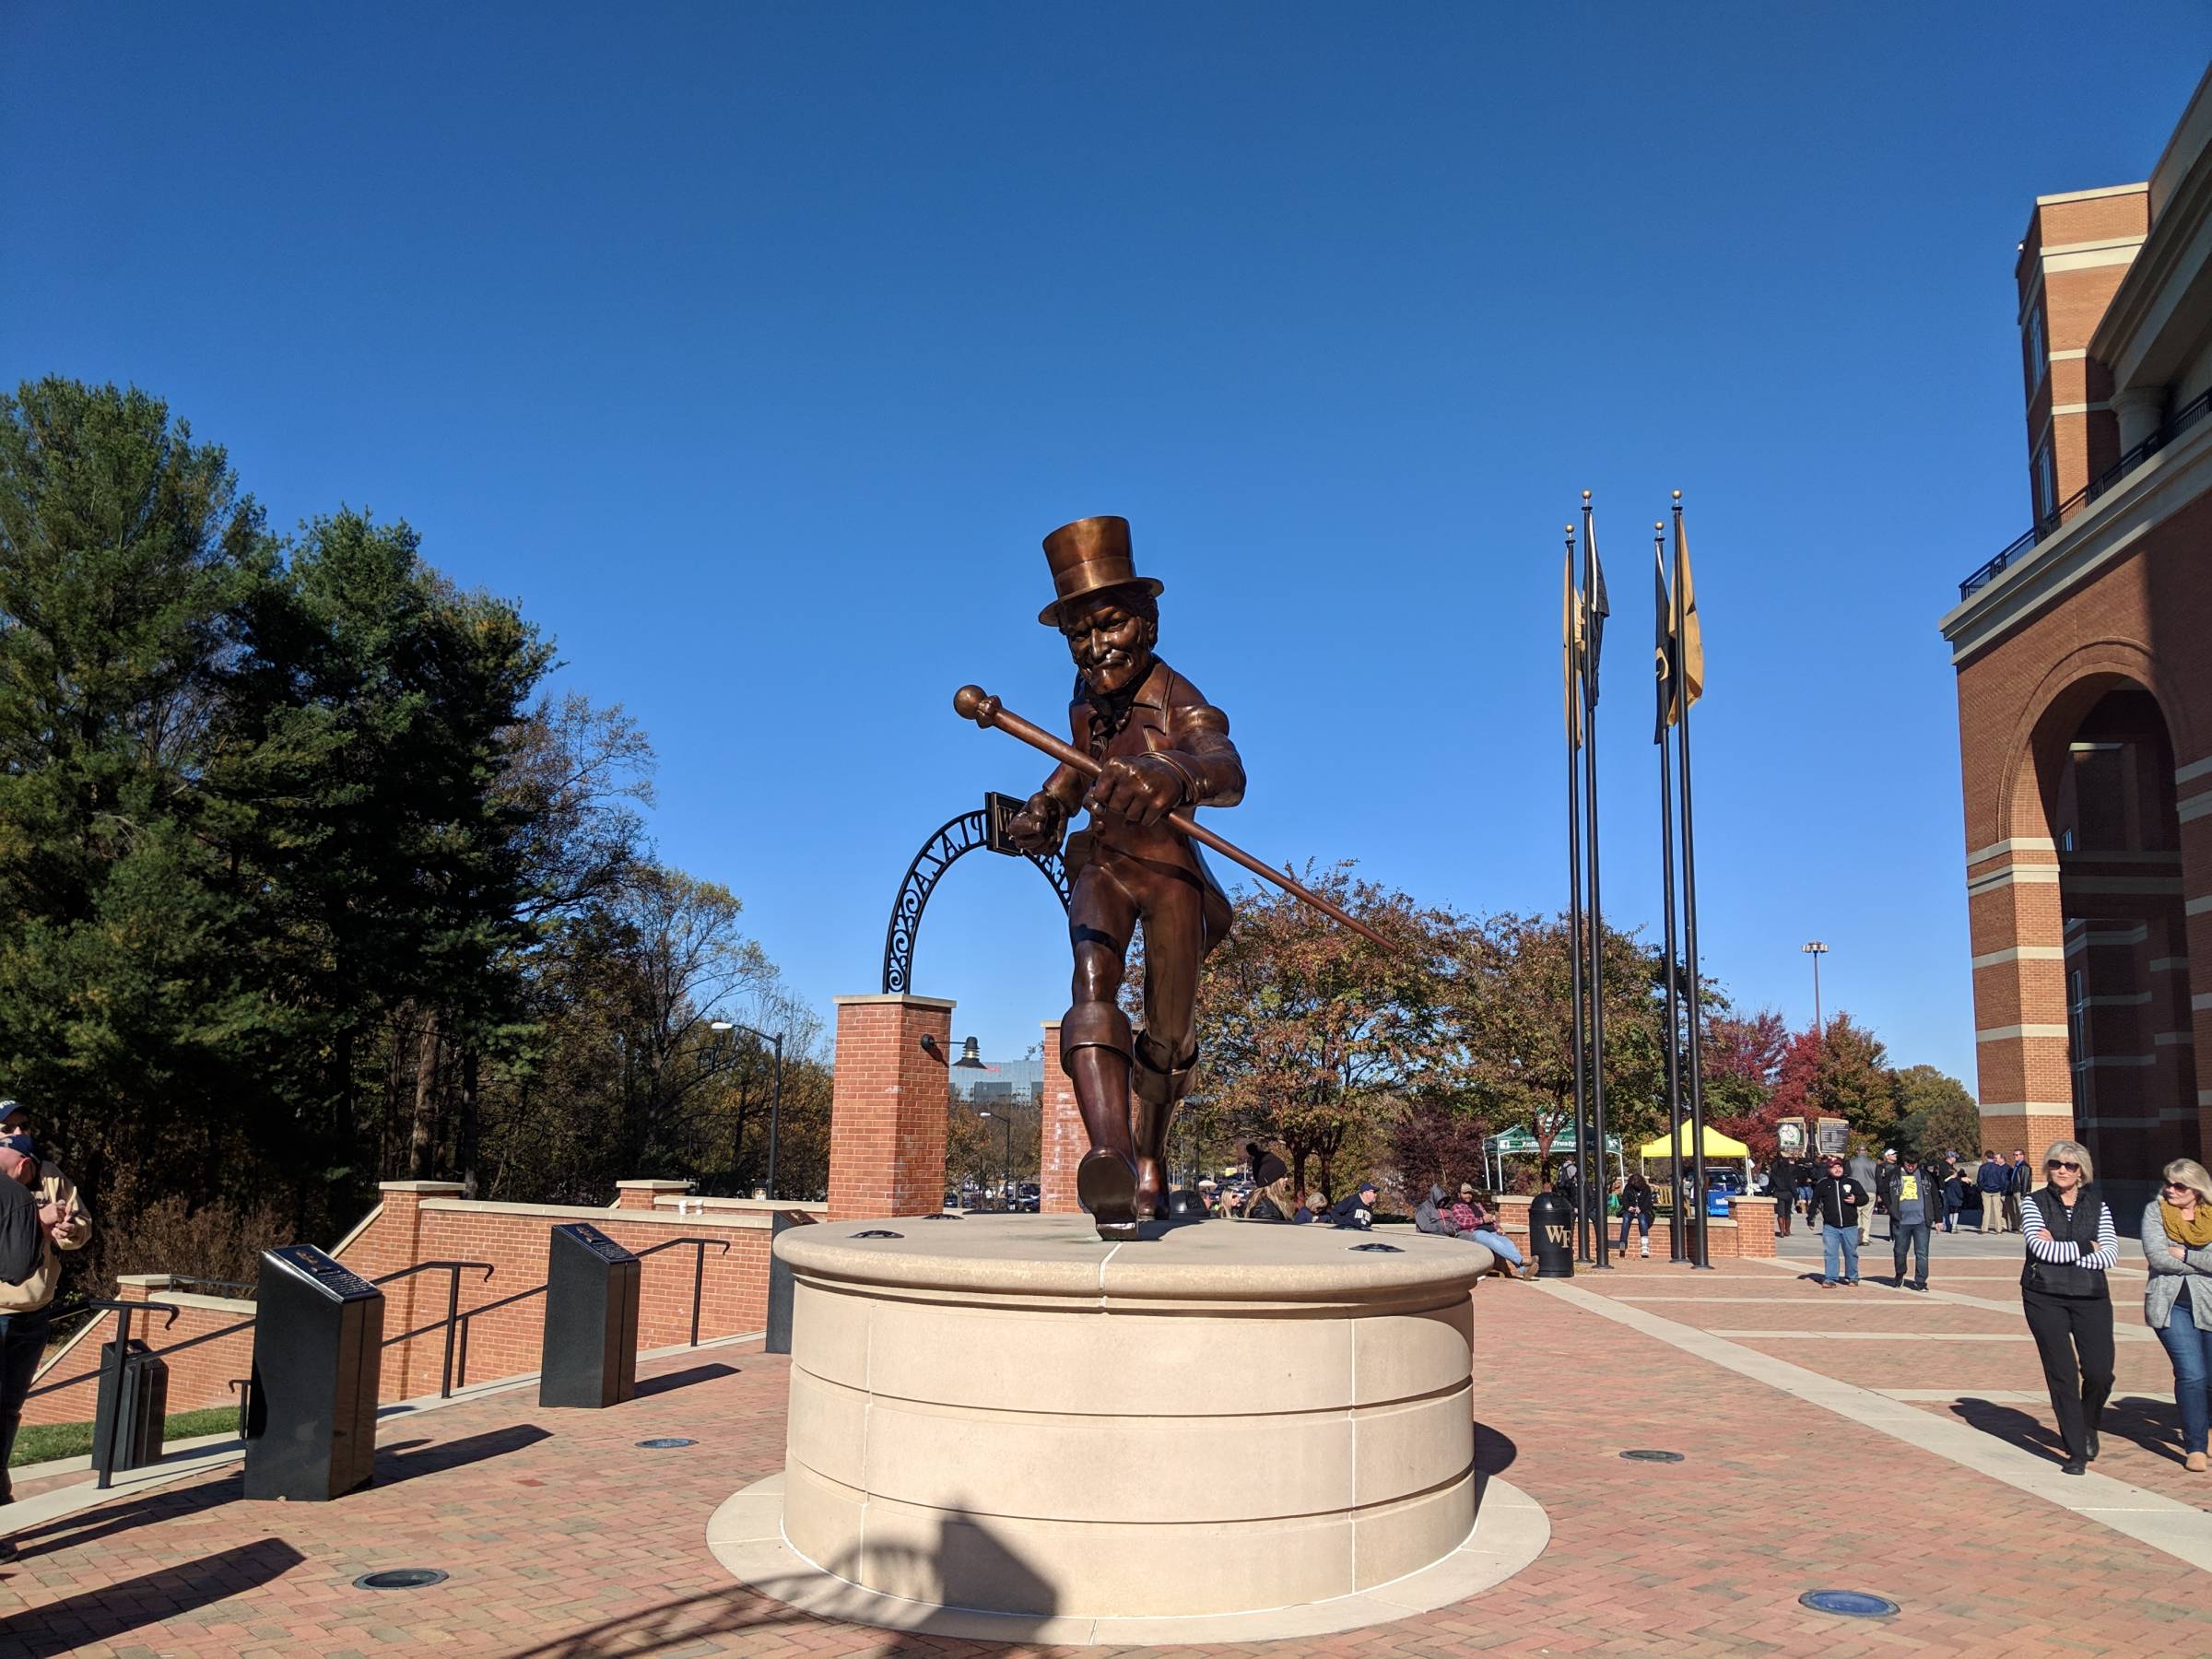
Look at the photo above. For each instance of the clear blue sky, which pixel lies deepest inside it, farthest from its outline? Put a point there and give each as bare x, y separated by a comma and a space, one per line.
753, 349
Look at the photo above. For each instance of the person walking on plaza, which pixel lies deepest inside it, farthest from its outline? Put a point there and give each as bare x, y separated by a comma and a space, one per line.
1638, 1205
1781, 1181
1884, 1178
2177, 1302
1993, 1179
39, 1217
2020, 1185
1802, 1175
1837, 1200
1953, 1191
1915, 1206
2071, 1247
1862, 1172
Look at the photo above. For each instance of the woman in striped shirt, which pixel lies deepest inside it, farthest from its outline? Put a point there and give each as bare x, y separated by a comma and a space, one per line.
2071, 1245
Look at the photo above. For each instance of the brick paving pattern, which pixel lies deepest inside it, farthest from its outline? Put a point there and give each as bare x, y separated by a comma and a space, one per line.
564, 1540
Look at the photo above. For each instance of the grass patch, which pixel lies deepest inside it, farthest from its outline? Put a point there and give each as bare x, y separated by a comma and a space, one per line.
37, 1442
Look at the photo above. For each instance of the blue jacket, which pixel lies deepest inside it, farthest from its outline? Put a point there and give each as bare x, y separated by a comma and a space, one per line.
1993, 1177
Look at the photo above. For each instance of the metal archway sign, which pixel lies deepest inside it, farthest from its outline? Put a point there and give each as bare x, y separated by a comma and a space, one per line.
984, 828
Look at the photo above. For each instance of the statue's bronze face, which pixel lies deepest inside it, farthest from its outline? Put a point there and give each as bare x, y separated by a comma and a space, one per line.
1112, 646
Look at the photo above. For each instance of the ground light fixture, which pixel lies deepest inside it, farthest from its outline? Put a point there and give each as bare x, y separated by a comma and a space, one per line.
667, 1442
1849, 1604
400, 1578
1646, 1454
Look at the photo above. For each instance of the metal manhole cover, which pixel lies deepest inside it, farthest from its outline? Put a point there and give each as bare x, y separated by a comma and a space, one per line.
668, 1443
399, 1578
1385, 1249
1851, 1604
1645, 1454
878, 1232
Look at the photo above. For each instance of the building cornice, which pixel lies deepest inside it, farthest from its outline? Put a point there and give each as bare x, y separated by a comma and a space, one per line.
2100, 532
2146, 331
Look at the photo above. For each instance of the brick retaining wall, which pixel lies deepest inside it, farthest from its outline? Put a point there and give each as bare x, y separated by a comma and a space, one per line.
424, 1221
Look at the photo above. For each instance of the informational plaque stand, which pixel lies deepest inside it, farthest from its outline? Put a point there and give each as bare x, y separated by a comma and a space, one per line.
590, 1357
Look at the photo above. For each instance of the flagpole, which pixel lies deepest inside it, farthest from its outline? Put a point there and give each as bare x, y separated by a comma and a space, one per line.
1574, 886
1690, 919
1593, 585
1679, 1240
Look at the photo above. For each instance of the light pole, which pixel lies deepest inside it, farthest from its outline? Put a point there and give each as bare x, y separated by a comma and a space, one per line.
775, 1096
1815, 950
1005, 1189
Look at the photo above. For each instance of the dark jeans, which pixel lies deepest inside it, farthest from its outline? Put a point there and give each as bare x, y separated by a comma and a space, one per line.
22, 1342
2065, 1327
2190, 1348
1913, 1233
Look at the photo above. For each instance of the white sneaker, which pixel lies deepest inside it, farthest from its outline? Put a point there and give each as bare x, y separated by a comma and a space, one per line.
1645, 1251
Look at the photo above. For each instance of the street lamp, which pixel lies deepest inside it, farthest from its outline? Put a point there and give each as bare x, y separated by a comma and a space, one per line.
1815, 950
775, 1096
1007, 1186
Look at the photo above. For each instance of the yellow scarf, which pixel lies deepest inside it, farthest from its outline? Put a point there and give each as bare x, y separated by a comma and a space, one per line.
2195, 1233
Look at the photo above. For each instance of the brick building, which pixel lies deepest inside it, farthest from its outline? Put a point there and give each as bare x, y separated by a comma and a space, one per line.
2084, 652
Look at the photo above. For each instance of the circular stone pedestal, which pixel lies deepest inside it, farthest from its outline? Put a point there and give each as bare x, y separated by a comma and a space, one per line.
1005, 1415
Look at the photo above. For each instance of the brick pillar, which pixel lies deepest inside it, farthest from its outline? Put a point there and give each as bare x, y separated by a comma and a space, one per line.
2019, 933
888, 1102
1062, 1139
139, 1287
645, 1195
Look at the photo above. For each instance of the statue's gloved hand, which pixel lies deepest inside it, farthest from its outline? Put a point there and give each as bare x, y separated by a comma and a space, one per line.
1037, 827
1141, 789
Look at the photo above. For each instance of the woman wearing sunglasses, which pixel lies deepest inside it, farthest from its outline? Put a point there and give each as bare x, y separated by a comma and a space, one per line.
2177, 1304
2071, 1246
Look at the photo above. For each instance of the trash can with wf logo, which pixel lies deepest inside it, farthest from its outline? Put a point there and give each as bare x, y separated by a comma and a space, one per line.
1551, 1236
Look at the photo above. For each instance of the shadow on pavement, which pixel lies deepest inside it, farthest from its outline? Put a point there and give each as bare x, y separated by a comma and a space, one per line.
683, 1379
2011, 1425
393, 1464
967, 1564
114, 1610
1494, 1452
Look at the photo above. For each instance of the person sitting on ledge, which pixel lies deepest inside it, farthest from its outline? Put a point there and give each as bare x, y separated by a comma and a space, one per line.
1356, 1211
1472, 1221
1314, 1208
1429, 1214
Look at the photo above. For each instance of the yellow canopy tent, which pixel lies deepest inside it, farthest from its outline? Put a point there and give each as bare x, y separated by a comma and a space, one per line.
1719, 1148
1716, 1145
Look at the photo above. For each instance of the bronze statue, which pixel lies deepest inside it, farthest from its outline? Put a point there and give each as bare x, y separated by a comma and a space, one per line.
1148, 749
1161, 746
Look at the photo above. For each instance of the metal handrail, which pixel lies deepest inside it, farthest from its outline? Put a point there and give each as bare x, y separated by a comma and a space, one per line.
452, 1312
698, 1270
2187, 416
462, 1374
105, 1462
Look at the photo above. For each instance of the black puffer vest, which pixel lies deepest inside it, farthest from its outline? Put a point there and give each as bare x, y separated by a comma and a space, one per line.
2076, 1225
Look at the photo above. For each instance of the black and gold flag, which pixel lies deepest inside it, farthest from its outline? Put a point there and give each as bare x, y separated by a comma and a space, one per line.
1594, 608
1662, 640
1690, 647
1571, 648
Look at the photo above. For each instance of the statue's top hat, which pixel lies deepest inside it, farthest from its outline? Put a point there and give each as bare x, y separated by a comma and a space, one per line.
1086, 556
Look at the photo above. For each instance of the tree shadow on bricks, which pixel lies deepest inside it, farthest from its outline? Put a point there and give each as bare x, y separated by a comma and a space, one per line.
114, 1610
684, 1379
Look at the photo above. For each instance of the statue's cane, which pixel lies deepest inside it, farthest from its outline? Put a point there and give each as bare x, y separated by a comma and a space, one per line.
971, 703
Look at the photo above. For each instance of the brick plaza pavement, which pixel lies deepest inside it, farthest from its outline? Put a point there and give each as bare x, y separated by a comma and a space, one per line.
564, 1540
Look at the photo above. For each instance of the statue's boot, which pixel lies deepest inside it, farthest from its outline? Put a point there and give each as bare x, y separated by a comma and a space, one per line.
1095, 1043
1156, 1087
